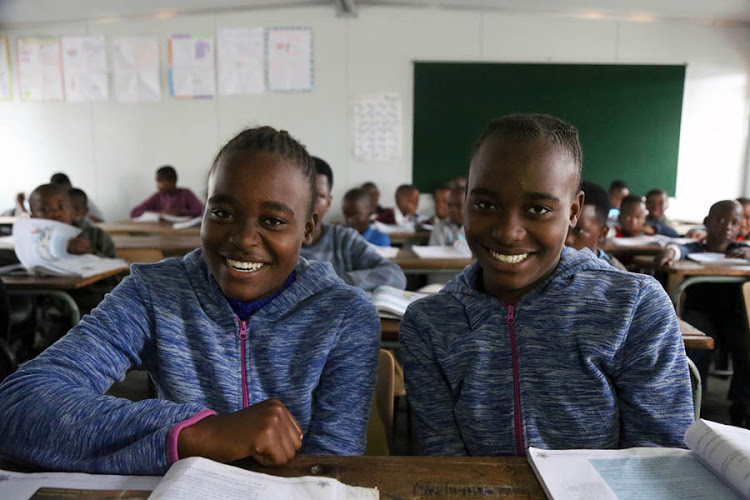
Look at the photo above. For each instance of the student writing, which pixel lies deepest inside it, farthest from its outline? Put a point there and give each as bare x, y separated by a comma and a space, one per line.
169, 199
253, 350
536, 344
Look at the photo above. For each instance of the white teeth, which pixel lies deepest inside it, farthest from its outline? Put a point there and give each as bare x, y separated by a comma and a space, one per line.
244, 267
509, 259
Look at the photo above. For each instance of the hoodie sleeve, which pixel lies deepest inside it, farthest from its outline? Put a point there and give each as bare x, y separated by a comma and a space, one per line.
370, 269
53, 411
652, 377
428, 389
341, 403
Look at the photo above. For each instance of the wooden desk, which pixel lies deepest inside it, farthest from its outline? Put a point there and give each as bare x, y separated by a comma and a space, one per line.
56, 286
162, 228
416, 238
622, 250
683, 273
419, 477
411, 263
691, 336
154, 247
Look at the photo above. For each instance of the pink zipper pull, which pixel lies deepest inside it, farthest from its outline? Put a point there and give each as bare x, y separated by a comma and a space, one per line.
243, 371
511, 310
243, 330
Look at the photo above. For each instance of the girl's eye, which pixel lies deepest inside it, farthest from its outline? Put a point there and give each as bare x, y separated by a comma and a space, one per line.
220, 214
539, 210
272, 222
484, 205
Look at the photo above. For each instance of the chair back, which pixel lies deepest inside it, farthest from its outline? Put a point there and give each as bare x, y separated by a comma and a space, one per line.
697, 386
385, 390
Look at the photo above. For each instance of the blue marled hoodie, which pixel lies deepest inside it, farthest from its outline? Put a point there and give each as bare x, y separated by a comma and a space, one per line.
314, 347
600, 364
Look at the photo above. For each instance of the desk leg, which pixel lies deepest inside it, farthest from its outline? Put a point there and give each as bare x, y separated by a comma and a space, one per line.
75, 313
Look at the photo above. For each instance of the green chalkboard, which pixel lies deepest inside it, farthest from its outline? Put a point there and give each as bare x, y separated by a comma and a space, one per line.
628, 116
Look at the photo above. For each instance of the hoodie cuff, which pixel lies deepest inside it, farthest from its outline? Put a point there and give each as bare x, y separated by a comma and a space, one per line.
174, 433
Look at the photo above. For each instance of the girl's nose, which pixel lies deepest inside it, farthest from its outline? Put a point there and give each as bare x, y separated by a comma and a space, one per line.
508, 228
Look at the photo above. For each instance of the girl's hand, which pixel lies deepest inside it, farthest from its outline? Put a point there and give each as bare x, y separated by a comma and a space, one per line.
739, 253
265, 431
79, 246
665, 258
697, 234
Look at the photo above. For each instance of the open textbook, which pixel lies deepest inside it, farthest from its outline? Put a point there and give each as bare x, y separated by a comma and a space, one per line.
646, 240
41, 245
189, 479
392, 302
178, 221
717, 466
716, 259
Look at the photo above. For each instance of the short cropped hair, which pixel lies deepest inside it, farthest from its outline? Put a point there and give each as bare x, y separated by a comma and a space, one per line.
356, 195
323, 168
657, 192
596, 196
48, 188
59, 178
405, 190
269, 140
441, 186
743, 201
617, 185
78, 193
167, 172
630, 199
536, 126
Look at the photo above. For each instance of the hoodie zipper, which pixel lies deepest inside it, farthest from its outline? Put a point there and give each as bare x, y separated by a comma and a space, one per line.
243, 338
518, 423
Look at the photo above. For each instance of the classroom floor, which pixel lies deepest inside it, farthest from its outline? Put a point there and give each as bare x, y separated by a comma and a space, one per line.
715, 406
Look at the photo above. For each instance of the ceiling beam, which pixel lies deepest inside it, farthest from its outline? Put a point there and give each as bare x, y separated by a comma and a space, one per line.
345, 8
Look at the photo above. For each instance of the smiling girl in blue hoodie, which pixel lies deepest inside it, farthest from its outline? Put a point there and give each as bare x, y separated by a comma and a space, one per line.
253, 350
536, 344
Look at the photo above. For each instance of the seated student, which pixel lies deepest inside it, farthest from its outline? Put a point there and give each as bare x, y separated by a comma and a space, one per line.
744, 234
50, 201
657, 201
374, 193
591, 229
451, 230
79, 204
254, 351
536, 344
62, 180
632, 220
353, 259
357, 216
718, 308
405, 211
618, 190
169, 199
440, 195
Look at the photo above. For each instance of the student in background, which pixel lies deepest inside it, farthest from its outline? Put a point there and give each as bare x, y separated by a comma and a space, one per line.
353, 259
513, 353
405, 211
632, 220
357, 212
591, 229
169, 199
440, 195
657, 201
53, 202
451, 231
80, 205
63, 181
374, 193
254, 351
744, 234
718, 308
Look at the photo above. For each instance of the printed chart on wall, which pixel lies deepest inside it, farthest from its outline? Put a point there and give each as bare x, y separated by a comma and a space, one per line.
377, 127
290, 59
85, 68
40, 69
241, 60
191, 73
6, 93
136, 69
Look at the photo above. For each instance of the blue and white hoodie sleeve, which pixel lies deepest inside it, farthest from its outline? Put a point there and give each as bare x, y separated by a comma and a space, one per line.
53, 412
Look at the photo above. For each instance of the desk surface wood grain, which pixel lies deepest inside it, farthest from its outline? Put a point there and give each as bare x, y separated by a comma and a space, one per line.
28, 282
420, 477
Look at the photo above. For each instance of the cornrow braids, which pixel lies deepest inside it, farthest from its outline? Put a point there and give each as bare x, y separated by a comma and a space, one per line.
535, 126
268, 139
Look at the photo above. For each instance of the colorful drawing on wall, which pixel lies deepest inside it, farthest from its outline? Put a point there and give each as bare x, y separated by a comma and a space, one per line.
290, 59
191, 67
6, 91
40, 69
85, 68
241, 59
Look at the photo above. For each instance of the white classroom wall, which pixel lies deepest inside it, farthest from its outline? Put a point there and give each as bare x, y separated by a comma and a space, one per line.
111, 150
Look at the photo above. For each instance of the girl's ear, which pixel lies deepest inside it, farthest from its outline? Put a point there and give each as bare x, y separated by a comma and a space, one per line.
312, 221
603, 232
576, 207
